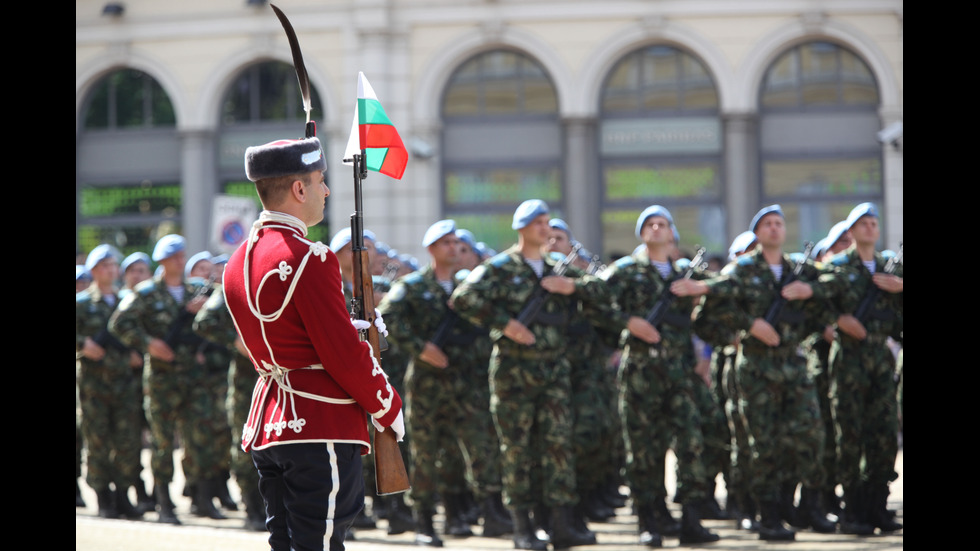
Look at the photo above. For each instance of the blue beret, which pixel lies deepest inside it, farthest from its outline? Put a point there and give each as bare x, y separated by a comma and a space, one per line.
100, 253
81, 273
138, 256
486, 251
654, 210
836, 232
409, 261
466, 236
677, 235
765, 210
528, 211
382, 247
560, 224
740, 244
437, 231
284, 157
820, 248
342, 238
192, 261
864, 209
168, 246
220, 259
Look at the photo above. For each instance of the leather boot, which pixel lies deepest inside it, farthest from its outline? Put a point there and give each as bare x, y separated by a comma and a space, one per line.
144, 501
563, 531
165, 506
852, 519
691, 529
399, 515
710, 509
107, 503
254, 511
494, 524
666, 524
771, 527
594, 507
877, 510
810, 513
456, 523
524, 537
223, 495
204, 498
787, 503
124, 506
425, 532
649, 535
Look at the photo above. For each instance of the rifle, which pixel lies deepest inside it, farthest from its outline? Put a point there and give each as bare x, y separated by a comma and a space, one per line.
390, 472
864, 308
388, 463
534, 304
659, 310
445, 328
180, 331
776, 308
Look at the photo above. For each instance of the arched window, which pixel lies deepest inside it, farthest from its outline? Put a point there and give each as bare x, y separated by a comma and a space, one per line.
660, 142
501, 143
818, 106
263, 104
127, 175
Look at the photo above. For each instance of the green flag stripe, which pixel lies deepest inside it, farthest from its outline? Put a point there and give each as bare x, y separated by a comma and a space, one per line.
375, 157
370, 111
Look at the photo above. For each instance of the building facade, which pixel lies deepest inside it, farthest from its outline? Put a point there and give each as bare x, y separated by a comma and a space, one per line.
713, 108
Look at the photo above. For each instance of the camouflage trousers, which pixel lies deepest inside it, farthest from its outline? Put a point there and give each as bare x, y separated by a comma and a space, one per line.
179, 405
111, 424
241, 383
449, 443
778, 405
214, 378
659, 411
818, 366
739, 470
531, 405
714, 429
865, 411
594, 432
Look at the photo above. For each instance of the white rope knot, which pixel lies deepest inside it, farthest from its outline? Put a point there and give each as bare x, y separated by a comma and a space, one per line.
285, 270
319, 249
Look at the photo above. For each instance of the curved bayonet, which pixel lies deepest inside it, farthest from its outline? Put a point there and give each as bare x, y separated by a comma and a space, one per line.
304, 79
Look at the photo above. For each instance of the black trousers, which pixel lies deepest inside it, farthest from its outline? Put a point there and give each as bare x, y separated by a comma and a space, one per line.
312, 492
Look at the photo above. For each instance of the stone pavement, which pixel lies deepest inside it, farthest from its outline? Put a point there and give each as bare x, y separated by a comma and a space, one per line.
619, 534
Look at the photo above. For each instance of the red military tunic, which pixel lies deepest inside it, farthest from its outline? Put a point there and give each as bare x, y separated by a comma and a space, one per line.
317, 380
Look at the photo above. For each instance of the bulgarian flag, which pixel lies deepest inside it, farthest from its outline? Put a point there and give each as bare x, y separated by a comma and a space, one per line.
373, 132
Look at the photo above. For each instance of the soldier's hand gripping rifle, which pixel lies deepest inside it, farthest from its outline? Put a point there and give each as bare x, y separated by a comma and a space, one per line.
538, 296
391, 475
776, 308
864, 308
660, 308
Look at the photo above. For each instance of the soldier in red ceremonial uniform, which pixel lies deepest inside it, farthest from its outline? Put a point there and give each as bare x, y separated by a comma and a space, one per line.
318, 382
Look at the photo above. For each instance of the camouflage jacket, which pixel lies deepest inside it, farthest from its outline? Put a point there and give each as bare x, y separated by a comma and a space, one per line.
92, 314
416, 310
213, 321
851, 281
151, 312
747, 288
636, 286
498, 290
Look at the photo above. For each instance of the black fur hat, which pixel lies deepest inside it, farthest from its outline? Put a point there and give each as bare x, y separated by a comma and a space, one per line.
284, 157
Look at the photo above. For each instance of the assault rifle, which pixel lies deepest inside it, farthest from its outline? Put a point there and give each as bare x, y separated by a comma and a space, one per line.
659, 310
536, 301
864, 308
180, 331
776, 308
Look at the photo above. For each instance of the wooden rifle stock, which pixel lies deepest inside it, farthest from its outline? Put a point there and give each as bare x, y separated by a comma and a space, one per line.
389, 466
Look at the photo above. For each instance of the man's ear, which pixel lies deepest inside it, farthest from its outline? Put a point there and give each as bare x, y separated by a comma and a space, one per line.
298, 190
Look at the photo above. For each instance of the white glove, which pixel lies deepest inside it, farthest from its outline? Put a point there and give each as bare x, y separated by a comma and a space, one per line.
360, 325
398, 426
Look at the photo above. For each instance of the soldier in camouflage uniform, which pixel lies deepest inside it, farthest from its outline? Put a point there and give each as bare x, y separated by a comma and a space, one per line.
437, 384
863, 373
213, 322
108, 385
657, 392
777, 399
593, 426
156, 317
529, 373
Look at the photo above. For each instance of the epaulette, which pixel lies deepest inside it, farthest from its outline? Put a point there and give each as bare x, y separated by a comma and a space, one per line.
745, 260
556, 256
840, 259
145, 287
624, 261
411, 278
197, 282
728, 269
85, 295
500, 260
461, 274
682, 264
887, 254
795, 257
